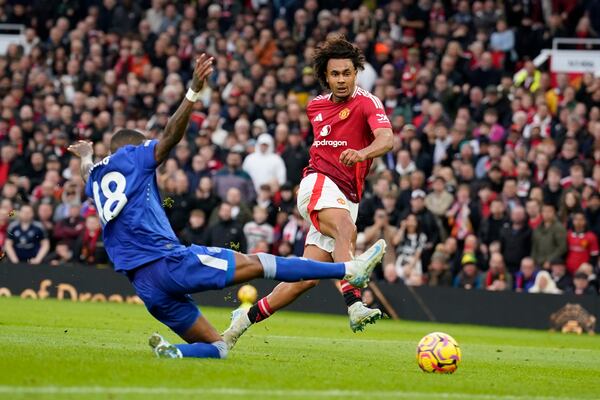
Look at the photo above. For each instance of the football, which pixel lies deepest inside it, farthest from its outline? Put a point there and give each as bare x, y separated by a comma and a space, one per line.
438, 352
247, 296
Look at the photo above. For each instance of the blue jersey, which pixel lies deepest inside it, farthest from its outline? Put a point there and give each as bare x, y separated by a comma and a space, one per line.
135, 227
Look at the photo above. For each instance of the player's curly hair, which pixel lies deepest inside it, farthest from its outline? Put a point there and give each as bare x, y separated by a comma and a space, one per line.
335, 47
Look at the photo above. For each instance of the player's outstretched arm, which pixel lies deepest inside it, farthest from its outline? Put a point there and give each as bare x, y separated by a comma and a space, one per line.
178, 122
384, 141
85, 151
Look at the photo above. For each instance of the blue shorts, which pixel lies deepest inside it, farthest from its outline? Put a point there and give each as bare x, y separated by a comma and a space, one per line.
165, 285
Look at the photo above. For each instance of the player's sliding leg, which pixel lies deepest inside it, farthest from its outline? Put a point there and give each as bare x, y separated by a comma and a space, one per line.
225, 268
203, 341
262, 265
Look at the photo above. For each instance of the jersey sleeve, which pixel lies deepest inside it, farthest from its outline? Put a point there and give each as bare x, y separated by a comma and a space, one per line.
375, 113
144, 155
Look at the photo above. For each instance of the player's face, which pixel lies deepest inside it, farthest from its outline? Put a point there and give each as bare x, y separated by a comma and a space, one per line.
341, 77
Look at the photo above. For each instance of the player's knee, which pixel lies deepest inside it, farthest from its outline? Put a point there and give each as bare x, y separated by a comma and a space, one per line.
222, 347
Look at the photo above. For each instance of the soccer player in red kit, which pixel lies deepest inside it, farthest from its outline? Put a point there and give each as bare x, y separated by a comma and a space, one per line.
350, 129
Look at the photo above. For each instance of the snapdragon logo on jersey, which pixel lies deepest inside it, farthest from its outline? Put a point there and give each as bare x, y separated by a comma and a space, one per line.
325, 131
330, 143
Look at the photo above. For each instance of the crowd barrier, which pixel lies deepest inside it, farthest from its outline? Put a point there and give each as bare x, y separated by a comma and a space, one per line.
91, 284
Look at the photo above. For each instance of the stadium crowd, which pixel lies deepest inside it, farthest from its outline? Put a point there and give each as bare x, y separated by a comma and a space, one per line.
493, 182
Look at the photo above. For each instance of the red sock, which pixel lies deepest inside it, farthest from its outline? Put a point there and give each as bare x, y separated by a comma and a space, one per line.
351, 294
259, 311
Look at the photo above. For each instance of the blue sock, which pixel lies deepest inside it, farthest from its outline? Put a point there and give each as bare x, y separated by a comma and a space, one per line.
199, 350
297, 269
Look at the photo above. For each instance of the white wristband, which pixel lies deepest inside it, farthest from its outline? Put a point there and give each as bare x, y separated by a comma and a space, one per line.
192, 96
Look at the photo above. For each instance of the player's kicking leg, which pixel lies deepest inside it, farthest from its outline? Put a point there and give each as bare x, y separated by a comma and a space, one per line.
336, 223
222, 268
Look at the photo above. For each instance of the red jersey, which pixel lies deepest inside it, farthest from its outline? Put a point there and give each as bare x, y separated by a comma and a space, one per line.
580, 248
340, 126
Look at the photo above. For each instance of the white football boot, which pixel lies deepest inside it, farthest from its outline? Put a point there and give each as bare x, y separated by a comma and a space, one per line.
361, 315
162, 348
239, 324
359, 270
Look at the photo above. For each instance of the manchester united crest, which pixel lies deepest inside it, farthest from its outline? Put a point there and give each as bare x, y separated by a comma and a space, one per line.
344, 113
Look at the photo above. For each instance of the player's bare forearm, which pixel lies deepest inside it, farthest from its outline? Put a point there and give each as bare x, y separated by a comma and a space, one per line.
384, 141
178, 123
86, 167
174, 130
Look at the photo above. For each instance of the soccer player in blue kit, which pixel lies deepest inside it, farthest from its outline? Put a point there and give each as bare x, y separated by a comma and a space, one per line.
141, 243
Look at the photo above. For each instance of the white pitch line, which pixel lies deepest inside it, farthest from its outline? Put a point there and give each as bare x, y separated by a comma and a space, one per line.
261, 393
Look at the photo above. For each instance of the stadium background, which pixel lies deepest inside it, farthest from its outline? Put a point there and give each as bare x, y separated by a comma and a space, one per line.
483, 137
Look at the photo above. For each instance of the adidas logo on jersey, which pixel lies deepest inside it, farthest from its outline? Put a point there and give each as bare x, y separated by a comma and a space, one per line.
318, 118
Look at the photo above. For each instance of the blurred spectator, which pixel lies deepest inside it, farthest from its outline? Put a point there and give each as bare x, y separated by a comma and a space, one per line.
204, 198
409, 241
525, 277
240, 212
62, 255
515, 240
198, 170
427, 222
295, 156
438, 272
232, 175
490, 227
497, 278
439, 200
560, 276
226, 232
462, 216
258, 229
549, 239
287, 202
469, 277
179, 202
89, 247
381, 229
544, 284
265, 166
27, 239
589, 271
592, 213
195, 230
70, 228
265, 200
581, 285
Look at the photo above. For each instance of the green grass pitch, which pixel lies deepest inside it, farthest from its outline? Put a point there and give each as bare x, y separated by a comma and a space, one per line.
62, 350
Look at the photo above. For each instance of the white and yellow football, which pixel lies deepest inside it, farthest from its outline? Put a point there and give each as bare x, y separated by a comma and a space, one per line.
438, 352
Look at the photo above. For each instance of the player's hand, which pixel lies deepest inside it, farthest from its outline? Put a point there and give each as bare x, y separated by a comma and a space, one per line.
349, 157
202, 70
81, 149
